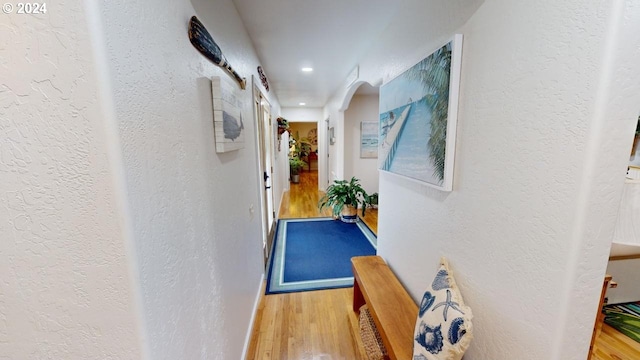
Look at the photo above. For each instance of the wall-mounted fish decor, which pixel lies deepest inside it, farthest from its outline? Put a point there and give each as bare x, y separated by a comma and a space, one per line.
231, 127
204, 43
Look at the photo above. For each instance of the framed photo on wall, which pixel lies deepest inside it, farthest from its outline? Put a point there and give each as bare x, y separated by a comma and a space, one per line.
369, 139
227, 114
418, 115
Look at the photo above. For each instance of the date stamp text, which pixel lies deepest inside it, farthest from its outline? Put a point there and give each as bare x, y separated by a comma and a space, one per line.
24, 8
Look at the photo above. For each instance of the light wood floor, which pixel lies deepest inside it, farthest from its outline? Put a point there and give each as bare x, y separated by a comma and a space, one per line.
312, 324
306, 325
613, 345
301, 201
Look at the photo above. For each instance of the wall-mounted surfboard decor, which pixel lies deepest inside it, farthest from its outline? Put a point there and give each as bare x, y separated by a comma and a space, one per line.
204, 43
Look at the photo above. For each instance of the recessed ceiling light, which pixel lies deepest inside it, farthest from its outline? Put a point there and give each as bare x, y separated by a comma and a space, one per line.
303, 104
307, 69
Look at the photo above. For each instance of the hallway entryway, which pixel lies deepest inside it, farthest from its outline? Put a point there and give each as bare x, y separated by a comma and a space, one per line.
309, 324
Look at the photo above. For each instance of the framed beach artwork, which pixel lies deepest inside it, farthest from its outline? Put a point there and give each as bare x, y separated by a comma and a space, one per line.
227, 114
369, 139
418, 113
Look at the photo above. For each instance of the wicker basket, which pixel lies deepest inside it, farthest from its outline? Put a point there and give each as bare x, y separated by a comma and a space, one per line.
371, 337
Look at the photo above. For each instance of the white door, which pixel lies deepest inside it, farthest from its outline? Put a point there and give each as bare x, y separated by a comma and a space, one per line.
327, 144
265, 140
269, 161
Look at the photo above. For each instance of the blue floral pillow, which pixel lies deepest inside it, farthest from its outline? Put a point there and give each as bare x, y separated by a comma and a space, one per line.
443, 328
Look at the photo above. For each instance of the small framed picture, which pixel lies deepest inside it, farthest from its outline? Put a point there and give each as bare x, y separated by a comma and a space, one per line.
227, 115
369, 139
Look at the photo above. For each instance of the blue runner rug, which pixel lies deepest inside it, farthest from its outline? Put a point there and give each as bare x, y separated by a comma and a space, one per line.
313, 254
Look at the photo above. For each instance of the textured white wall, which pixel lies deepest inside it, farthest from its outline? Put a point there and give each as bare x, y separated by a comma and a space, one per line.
65, 289
545, 87
323, 153
335, 162
282, 169
625, 273
635, 158
528, 225
627, 231
198, 246
361, 108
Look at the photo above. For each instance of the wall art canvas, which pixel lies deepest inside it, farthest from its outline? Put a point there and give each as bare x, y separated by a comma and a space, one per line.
228, 120
369, 139
418, 113
634, 160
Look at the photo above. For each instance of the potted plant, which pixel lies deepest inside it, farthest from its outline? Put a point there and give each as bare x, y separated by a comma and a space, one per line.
305, 148
372, 200
296, 165
344, 197
283, 126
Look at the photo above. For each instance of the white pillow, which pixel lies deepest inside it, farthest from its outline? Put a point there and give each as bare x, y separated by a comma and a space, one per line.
443, 329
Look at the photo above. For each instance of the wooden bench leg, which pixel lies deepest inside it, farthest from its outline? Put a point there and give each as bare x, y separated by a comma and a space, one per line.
358, 299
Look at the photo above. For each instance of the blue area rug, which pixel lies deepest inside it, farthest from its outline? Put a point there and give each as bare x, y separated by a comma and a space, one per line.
314, 254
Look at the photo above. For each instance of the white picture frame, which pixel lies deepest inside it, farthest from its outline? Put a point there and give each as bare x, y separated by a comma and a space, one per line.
417, 138
228, 122
369, 140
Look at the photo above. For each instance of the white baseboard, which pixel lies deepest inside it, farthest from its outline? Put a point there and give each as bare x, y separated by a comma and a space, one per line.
280, 205
256, 303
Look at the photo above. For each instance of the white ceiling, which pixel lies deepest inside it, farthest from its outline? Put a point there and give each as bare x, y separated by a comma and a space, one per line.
330, 36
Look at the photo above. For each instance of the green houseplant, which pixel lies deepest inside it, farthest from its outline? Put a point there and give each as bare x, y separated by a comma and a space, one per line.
344, 197
283, 126
296, 164
305, 147
372, 200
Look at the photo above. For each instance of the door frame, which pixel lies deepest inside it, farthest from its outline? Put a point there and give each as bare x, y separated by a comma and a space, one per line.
266, 159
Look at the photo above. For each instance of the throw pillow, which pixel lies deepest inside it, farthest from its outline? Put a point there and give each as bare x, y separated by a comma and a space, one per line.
443, 329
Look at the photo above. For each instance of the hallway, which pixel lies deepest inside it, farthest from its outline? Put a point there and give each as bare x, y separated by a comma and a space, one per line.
128, 231
311, 324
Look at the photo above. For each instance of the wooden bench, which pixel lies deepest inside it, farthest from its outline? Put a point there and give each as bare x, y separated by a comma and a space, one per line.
391, 307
